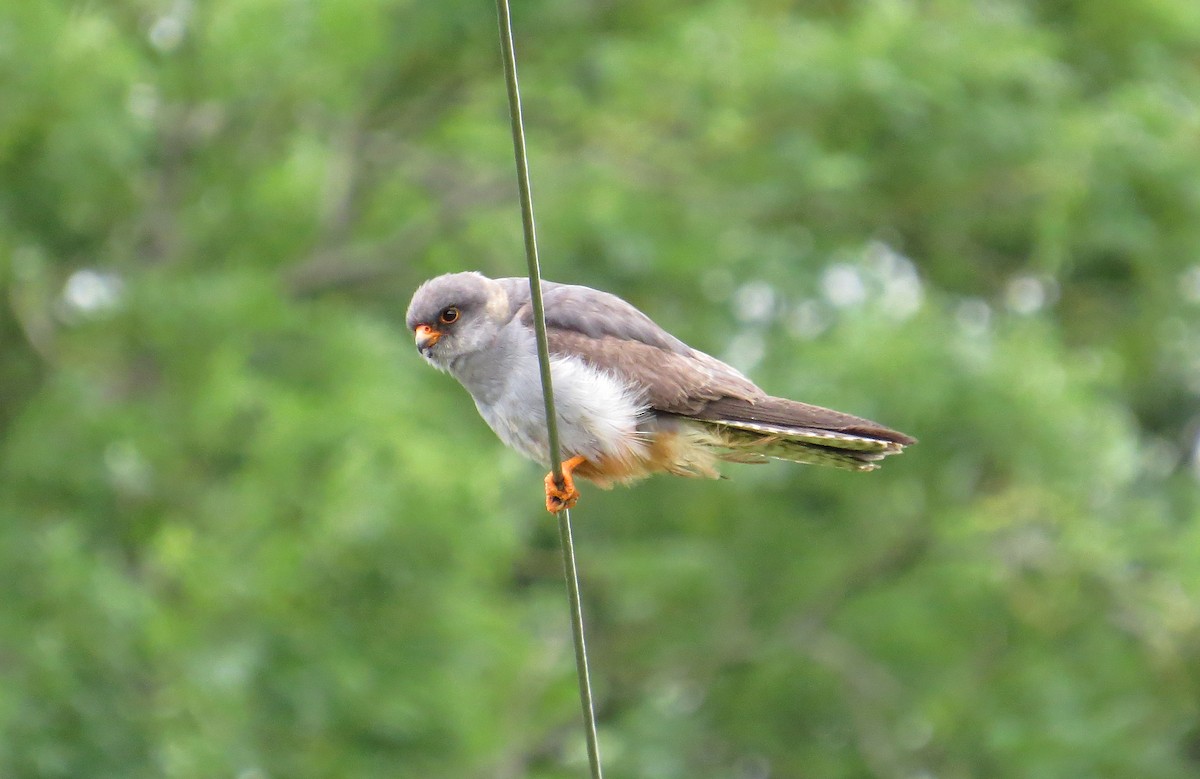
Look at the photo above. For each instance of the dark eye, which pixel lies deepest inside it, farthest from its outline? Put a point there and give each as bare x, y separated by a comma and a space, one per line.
448, 316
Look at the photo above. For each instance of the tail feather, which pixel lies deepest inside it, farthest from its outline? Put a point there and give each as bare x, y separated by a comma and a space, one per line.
798, 432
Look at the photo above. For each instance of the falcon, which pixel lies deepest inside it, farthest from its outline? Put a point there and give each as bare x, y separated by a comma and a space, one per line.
631, 399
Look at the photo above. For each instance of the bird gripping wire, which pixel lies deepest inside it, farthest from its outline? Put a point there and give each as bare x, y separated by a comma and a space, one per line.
539, 325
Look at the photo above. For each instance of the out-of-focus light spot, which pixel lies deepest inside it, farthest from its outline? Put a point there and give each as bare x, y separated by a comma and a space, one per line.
974, 316
893, 280
746, 351
754, 301
882, 258
230, 667
843, 285
1189, 284
166, 33
1027, 295
252, 773
902, 297
1159, 458
902, 291
88, 291
679, 696
807, 320
127, 469
142, 102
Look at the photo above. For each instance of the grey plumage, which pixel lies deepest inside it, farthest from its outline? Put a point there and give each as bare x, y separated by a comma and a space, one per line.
620, 370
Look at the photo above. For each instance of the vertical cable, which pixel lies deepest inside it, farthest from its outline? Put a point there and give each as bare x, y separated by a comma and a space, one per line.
539, 325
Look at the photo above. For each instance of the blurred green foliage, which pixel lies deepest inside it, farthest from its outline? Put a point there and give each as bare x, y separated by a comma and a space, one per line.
245, 532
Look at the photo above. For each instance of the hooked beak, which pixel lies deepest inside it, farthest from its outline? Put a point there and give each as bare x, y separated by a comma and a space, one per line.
426, 337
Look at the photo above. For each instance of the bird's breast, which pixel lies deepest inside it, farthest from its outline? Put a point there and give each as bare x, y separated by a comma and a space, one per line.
598, 413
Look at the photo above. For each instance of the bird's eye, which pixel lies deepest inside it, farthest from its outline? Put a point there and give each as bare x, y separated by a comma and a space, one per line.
449, 315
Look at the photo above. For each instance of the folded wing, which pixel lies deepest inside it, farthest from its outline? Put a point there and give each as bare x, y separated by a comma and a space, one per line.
747, 424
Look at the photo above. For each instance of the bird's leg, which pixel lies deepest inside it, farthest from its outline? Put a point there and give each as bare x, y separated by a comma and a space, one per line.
564, 498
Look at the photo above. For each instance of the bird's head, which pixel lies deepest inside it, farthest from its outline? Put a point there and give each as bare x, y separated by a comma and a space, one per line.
455, 315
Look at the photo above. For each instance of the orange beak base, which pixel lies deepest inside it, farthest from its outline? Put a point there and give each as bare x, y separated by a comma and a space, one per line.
426, 336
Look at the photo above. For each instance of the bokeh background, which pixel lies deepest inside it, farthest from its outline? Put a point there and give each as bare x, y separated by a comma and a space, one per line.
245, 532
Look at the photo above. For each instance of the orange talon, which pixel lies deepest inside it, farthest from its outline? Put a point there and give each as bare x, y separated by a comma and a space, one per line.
559, 499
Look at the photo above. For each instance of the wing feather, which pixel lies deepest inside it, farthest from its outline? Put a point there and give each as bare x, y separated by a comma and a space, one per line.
670, 383
611, 335
597, 314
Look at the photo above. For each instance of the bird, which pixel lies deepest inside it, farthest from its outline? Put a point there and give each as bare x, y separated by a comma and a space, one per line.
631, 399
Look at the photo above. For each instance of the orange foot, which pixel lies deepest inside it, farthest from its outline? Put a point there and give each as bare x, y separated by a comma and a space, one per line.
559, 499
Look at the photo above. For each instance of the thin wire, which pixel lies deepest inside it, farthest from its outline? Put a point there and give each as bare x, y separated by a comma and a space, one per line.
539, 325
531, 251
581, 659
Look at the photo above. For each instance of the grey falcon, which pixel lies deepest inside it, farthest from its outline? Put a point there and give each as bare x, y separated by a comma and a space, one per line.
631, 399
